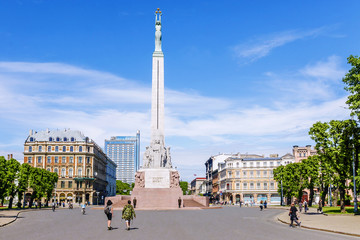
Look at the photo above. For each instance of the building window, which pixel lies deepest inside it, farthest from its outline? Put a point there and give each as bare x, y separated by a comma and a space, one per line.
88, 160
40, 148
63, 160
56, 159
56, 170
39, 159
258, 185
229, 174
73, 139
251, 174
70, 184
63, 172
265, 186
271, 164
71, 148
88, 149
265, 173
71, 160
237, 173
64, 148
251, 185
65, 139
271, 173
56, 148
30, 149
48, 169
29, 160
244, 164
79, 159
48, 159
79, 172
245, 185
31, 139
58, 139
49, 148
244, 174
80, 148
50, 139
228, 186
258, 174
257, 164
251, 164
272, 185
237, 164
70, 172
62, 184
237, 186
265, 164
88, 172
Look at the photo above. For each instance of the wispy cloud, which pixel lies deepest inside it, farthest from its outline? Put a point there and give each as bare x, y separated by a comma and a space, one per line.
261, 47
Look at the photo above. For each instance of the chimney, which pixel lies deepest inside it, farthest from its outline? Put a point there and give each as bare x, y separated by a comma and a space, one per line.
31, 132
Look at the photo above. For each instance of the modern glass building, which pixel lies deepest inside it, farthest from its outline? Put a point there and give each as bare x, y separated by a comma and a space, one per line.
125, 152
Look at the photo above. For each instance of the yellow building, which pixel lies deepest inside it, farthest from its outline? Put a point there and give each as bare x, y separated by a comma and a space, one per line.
249, 179
78, 160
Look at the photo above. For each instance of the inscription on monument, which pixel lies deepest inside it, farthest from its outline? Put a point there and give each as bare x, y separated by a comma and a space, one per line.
159, 178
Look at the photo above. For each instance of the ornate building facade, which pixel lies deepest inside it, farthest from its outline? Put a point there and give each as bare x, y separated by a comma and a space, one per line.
78, 160
248, 178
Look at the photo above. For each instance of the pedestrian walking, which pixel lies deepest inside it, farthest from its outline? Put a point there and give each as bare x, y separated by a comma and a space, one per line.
240, 203
134, 202
320, 206
128, 213
305, 206
300, 206
108, 210
179, 202
265, 204
293, 215
261, 205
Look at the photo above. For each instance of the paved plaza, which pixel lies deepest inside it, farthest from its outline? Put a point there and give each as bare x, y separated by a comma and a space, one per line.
225, 223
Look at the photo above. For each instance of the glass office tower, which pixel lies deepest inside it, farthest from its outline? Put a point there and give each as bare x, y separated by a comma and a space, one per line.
125, 152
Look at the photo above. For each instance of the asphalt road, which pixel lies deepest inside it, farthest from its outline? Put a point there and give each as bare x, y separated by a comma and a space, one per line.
227, 223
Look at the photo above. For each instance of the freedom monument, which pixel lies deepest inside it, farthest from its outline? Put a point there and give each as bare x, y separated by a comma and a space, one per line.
157, 184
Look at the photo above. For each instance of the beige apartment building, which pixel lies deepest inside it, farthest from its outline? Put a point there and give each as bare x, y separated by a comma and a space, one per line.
249, 179
78, 160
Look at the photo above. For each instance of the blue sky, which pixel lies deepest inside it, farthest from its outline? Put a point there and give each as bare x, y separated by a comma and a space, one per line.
240, 76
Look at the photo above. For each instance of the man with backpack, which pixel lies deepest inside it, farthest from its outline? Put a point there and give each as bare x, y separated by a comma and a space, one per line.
128, 213
108, 210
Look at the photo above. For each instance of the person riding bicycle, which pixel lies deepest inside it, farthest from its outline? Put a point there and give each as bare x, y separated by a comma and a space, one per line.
83, 206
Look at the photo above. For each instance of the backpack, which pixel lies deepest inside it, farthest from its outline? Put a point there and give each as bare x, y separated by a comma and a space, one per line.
107, 210
127, 212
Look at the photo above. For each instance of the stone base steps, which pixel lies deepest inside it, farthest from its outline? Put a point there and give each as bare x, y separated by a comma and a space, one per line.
191, 203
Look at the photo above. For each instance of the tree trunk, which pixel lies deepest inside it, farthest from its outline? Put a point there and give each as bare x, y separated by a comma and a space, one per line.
311, 197
300, 194
342, 199
2, 201
11, 202
323, 194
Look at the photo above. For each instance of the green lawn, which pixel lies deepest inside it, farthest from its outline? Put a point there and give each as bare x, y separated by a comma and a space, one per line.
336, 210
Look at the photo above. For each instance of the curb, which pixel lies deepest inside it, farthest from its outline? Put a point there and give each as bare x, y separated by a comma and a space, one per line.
321, 229
20, 211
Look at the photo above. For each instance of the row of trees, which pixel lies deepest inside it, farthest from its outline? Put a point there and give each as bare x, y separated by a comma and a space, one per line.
16, 179
338, 148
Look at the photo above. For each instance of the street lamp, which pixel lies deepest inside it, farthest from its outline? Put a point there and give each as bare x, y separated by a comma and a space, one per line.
282, 195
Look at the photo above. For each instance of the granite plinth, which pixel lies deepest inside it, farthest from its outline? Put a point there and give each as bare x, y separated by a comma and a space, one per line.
157, 197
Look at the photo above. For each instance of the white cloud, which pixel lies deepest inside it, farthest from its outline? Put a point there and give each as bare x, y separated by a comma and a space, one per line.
261, 47
197, 126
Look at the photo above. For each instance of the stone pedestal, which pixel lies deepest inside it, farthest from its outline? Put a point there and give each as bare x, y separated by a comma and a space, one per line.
157, 188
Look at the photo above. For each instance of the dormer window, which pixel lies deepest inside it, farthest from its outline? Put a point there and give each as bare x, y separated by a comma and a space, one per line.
31, 139
50, 139
73, 139
58, 139
65, 139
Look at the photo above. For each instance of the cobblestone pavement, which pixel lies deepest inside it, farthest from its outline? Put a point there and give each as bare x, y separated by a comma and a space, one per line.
225, 223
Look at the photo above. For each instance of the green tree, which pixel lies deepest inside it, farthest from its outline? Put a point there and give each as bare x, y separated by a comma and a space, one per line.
49, 184
13, 168
123, 188
23, 181
334, 141
311, 174
184, 187
3, 180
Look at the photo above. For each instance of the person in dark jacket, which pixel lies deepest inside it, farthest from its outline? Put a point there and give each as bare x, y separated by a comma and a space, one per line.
134, 202
293, 215
109, 214
179, 202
